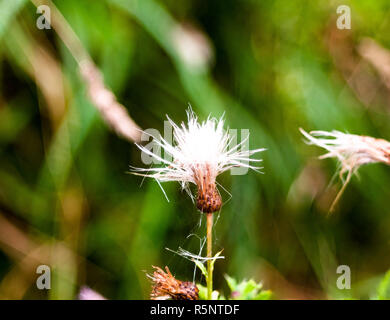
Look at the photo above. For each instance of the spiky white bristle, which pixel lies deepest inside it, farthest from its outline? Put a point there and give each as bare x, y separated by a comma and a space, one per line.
351, 150
198, 146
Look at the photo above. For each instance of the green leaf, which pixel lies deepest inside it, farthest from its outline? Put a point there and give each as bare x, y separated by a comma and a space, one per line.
263, 295
213, 261
247, 290
232, 283
250, 287
202, 292
201, 266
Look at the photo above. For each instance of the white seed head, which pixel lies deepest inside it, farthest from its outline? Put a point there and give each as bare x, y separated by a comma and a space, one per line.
351, 150
200, 152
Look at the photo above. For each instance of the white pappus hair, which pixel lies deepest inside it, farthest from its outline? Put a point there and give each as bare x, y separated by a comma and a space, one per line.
200, 152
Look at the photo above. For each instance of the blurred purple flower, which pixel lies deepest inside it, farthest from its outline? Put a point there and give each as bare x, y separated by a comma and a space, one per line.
87, 293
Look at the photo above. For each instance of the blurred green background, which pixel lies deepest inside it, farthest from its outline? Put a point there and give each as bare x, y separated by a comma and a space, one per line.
67, 201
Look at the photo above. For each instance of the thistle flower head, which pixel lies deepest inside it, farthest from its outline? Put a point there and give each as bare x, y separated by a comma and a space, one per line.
166, 286
351, 150
202, 150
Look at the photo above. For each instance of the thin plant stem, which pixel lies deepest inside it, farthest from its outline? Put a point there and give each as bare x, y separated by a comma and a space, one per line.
338, 196
209, 279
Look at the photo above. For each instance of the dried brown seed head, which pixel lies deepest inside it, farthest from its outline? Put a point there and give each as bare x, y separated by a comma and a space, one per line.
166, 286
209, 200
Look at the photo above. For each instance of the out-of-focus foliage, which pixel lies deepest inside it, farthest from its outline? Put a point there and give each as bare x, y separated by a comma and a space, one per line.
384, 287
66, 199
244, 290
247, 290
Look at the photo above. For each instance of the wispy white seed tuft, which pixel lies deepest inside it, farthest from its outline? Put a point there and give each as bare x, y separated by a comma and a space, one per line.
200, 152
351, 150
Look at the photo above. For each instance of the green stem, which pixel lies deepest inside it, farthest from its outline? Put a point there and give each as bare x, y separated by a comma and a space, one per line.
209, 278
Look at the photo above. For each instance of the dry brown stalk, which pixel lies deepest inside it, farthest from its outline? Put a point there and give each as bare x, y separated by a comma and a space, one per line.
114, 113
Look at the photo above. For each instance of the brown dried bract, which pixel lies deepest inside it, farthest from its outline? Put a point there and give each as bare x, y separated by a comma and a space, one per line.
208, 200
166, 286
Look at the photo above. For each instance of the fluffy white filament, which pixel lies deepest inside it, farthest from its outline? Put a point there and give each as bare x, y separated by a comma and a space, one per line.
351, 150
198, 146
